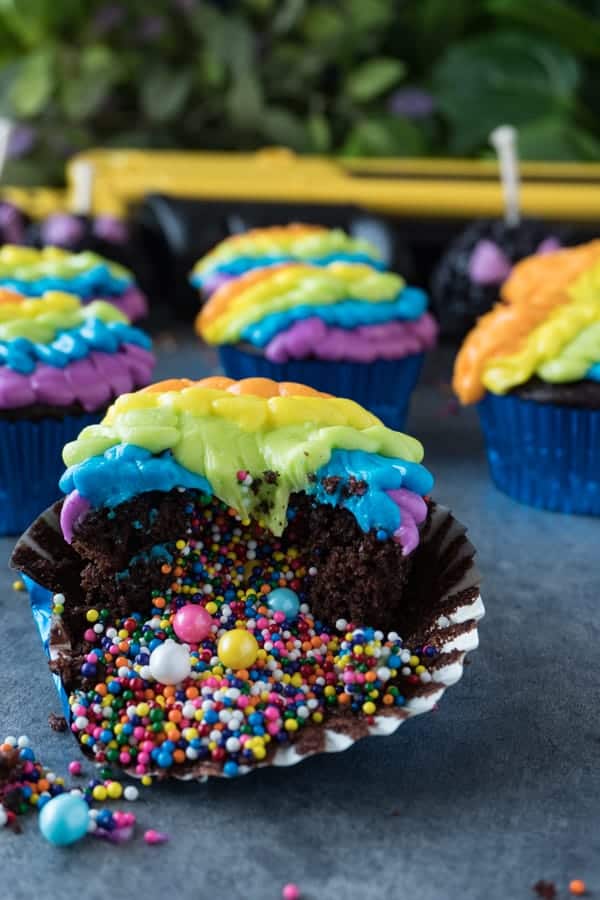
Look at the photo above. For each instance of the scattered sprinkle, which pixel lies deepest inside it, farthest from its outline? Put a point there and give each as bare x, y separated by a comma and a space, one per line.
18, 585
577, 887
155, 837
290, 892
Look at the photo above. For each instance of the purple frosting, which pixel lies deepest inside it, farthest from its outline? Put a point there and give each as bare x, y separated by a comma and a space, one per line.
74, 509
413, 511
132, 303
63, 230
93, 381
214, 281
111, 229
391, 340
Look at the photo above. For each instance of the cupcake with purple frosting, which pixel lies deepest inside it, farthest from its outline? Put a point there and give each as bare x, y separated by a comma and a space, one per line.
276, 244
345, 328
88, 275
62, 363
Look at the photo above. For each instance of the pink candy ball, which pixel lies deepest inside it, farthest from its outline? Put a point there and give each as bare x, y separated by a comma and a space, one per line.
75, 767
291, 892
192, 623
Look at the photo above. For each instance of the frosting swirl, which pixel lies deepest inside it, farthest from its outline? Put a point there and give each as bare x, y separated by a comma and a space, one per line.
88, 275
261, 247
203, 435
548, 325
291, 310
56, 351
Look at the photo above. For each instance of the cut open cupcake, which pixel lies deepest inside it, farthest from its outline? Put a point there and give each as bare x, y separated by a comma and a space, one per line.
246, 573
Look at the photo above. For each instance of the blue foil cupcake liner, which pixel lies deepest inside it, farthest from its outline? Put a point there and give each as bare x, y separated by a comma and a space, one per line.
383, 386
31, 465
543, 455
40, 600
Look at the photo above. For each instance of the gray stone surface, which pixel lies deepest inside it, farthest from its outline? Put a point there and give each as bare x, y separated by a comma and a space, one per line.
496, 790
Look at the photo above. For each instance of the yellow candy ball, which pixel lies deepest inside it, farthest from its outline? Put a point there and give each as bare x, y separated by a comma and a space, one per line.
99, 793
237, 649
92, 615
114, 790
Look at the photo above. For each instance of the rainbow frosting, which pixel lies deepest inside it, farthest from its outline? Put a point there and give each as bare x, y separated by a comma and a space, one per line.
210, 434
260, 247
547, 326
89, 276
348, 311
56, 351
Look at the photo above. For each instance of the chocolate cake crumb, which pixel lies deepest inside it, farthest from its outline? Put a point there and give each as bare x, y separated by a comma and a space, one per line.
57, 723
354, 487
330, 483
545, 889
271, 477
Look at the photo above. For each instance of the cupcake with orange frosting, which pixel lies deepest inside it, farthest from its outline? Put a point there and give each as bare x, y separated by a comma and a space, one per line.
532, 365
347, 328
258, 247
244, 574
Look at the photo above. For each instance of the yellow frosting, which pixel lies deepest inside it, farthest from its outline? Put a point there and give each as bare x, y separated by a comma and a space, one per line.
215, 431
40, 319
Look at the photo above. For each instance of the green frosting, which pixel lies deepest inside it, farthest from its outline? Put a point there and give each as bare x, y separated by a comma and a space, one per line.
575, 359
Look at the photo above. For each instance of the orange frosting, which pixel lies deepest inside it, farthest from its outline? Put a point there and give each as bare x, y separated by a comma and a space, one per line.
536, 286
226, 294
254, 387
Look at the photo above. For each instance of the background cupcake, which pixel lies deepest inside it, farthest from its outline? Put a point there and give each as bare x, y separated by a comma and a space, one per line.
61, 364
345, 328
87, 275
296, 242
532, 364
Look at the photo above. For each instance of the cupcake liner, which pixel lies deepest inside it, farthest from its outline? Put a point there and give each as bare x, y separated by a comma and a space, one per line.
383, 386
543, 455
31, 465
443, 566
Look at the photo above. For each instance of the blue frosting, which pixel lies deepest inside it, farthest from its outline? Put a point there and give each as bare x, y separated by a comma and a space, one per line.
98, 281
374, 509
126, 470
594, 373
410, 303
242, 264
23, 355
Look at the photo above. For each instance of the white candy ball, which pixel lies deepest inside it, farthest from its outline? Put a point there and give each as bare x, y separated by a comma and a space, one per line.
131, 793
170, 663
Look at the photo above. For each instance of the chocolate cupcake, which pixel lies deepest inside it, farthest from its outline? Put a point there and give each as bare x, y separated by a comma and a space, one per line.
243, 574
61, 364
533, 366
87, 275
276, 244
466, 281
345, 328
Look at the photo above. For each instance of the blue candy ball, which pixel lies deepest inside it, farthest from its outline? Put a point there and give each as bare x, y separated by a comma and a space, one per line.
284, 600
64, 819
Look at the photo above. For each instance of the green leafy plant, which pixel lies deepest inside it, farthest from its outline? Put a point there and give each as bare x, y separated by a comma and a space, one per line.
355, 77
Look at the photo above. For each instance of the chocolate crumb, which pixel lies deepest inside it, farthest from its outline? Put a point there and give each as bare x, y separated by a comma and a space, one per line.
355, 487
57, 723
330, 483
271, 477
545, 889
255, 486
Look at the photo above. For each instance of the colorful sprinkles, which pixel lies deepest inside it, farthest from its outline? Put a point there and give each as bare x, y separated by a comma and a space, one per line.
256, 667
26, 786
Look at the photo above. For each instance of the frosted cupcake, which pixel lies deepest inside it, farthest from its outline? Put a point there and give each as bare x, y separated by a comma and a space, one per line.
533, 366
266, 559
61, 364
260, 247
345, 328
87, 275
